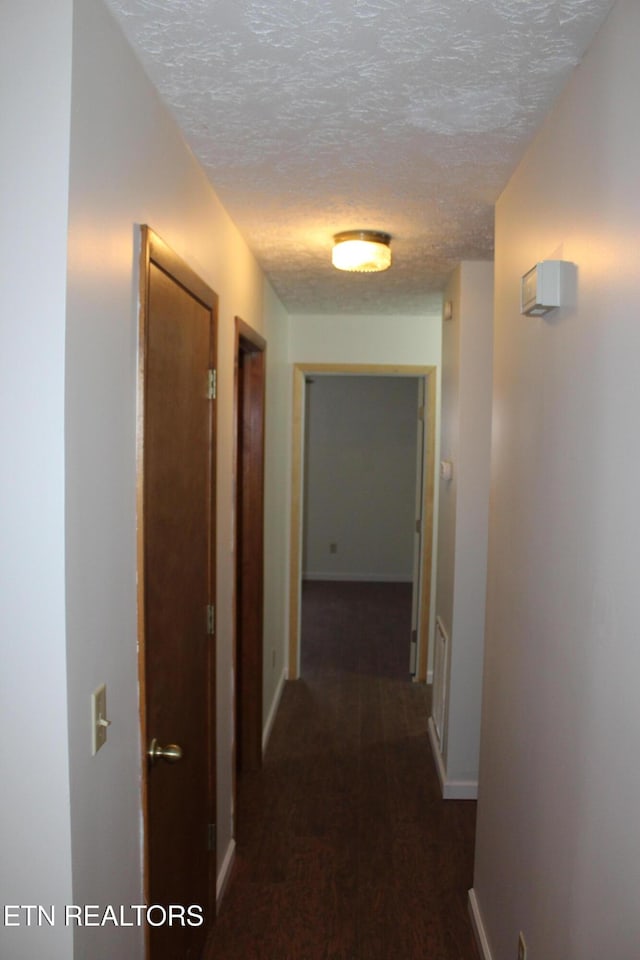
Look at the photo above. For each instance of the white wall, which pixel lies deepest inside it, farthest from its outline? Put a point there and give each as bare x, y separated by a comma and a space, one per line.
463, 513
129, 165
558, 849
95, 152
360, 473
35, 85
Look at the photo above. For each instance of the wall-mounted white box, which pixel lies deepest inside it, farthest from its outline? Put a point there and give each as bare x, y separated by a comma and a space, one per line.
543, 288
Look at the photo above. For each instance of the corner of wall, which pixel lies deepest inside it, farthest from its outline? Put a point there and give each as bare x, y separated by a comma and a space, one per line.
450, 789
273, 709
477, 925
224, 874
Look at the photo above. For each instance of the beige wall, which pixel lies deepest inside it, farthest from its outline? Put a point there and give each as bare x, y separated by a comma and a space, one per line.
360, 478
276, 508
558, 850
449, 433
365, 338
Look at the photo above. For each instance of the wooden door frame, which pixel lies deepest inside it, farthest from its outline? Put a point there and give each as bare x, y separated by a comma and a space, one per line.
153, 250
300, 372
250, 344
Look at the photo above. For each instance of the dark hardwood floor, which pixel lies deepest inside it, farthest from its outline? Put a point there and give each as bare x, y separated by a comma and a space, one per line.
346, 850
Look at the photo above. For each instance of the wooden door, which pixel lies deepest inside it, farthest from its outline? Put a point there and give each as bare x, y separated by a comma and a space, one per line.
250, 393
178, 337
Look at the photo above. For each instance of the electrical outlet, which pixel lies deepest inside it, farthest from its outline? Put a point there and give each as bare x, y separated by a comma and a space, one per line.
333, 548
522, 947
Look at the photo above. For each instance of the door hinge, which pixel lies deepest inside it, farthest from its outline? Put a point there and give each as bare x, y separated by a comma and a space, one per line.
212, 384
420, 413
418, 524
211, 837
211, 619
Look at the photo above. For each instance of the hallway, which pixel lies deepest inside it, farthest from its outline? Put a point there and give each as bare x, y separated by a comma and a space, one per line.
345, 849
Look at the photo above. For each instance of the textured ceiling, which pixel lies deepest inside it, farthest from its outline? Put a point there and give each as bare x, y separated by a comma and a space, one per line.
316, 116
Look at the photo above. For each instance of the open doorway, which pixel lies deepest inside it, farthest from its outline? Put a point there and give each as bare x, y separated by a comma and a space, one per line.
358, 529
340, 543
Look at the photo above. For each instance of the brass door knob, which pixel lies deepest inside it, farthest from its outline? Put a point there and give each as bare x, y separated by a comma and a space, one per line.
171, 753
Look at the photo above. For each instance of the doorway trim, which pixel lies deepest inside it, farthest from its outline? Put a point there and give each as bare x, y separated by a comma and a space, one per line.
300, 372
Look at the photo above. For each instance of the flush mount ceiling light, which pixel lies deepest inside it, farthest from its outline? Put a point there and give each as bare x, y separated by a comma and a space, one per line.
362, 251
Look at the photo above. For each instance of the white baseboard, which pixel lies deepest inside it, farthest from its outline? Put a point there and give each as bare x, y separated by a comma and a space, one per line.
225, 872
437, 756
359, 577
266, 733
460, 790
477, 923
451, 789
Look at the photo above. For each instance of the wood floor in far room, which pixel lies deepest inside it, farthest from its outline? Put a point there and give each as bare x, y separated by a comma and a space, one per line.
346, 850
